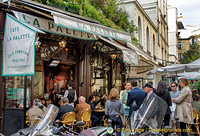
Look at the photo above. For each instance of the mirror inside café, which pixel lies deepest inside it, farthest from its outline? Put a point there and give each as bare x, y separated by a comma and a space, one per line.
58, 78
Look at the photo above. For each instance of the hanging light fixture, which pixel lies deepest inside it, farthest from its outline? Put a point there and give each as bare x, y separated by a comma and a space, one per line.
62, 43
113, 56
66, 49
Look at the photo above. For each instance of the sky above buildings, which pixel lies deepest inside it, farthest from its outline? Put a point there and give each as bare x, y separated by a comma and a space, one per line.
190, 10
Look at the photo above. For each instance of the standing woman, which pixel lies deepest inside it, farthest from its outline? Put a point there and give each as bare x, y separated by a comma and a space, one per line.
162, 92
184, 106
124, 97
112, 109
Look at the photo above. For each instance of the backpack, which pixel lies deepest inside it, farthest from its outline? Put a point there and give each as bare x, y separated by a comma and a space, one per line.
71, 93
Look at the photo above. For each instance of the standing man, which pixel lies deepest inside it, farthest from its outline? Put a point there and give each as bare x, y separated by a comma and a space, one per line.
70, 93
175, 92
65, 108
136, 95
152, 113
154, 89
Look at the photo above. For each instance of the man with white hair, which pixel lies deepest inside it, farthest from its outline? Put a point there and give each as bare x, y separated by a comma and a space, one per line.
80, 107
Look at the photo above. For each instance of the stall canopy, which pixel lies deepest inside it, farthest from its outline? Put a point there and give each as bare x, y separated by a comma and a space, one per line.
129, 56
176, 68
189, 75
195, 62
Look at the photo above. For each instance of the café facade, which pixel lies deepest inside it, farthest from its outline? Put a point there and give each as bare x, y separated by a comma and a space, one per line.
67, 48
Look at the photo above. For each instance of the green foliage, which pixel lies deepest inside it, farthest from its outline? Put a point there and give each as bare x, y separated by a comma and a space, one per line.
91, 12
98, 4
134, 40
192, 54
107, 12
195, 86
112, 11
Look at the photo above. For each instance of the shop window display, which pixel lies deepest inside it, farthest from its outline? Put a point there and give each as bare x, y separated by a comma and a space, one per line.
15, 92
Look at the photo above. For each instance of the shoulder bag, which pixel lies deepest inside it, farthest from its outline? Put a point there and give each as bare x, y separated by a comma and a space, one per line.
121, 116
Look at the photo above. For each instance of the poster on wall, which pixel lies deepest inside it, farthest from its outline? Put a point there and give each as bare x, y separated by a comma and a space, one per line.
18, 48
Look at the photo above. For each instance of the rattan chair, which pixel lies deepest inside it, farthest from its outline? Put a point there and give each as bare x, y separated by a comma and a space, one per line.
86, 117
68, 119
196, 122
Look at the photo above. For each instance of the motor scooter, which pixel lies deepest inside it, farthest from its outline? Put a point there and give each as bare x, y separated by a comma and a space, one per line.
45, 127
148, 119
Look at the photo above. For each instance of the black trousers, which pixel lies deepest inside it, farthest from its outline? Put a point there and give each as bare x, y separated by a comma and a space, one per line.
183, 129
166, 122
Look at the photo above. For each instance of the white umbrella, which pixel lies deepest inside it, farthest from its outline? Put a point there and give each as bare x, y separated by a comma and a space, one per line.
189, 75
176, 68
197, 61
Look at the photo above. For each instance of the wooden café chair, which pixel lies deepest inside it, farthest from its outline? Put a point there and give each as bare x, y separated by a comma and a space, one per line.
68, 119
86, 117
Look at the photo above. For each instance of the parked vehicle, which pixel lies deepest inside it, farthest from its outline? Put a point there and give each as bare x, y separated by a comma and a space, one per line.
147, 120
45, 127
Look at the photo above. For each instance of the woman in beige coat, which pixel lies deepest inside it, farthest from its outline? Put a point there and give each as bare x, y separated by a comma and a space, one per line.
184, 107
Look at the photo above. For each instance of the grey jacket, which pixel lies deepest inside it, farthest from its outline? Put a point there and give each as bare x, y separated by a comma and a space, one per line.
109, 110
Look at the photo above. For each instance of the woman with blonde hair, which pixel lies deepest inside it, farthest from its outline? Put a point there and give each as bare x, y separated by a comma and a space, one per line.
112, 109
184, 106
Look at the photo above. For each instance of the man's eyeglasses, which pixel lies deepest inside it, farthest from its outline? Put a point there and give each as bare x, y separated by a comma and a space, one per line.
173, 86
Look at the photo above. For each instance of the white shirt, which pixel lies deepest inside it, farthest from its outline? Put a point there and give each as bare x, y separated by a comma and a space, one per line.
148, 94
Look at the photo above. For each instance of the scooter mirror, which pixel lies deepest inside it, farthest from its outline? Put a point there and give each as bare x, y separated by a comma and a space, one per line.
134, 106
79, 123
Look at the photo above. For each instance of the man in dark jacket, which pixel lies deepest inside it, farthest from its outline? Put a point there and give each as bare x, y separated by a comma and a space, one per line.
137, 95
93, 103
65, 108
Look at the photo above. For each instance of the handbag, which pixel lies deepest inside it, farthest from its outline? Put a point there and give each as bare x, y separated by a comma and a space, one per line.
121, 116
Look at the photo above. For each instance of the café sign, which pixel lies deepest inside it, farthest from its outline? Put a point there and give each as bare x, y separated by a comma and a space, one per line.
18, 48
85, 26
49, 26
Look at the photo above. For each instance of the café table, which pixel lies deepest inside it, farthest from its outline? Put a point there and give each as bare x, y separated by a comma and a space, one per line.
100, 112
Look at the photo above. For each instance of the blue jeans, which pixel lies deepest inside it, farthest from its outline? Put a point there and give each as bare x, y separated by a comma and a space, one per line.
116, 120
95, 120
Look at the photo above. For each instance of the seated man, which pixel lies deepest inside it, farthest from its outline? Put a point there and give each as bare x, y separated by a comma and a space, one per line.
93, 103
64, 108
35, 112
80, 107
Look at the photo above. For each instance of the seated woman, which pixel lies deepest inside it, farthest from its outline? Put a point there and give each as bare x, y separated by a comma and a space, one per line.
112, 105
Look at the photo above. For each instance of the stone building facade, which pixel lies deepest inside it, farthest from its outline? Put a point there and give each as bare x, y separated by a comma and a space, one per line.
150, 17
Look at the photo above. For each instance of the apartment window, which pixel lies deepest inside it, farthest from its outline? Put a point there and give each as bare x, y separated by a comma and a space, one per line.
147, 40
180, 45
192, 41
154, 45
180, 56
162, 55
164, 34
140, 31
